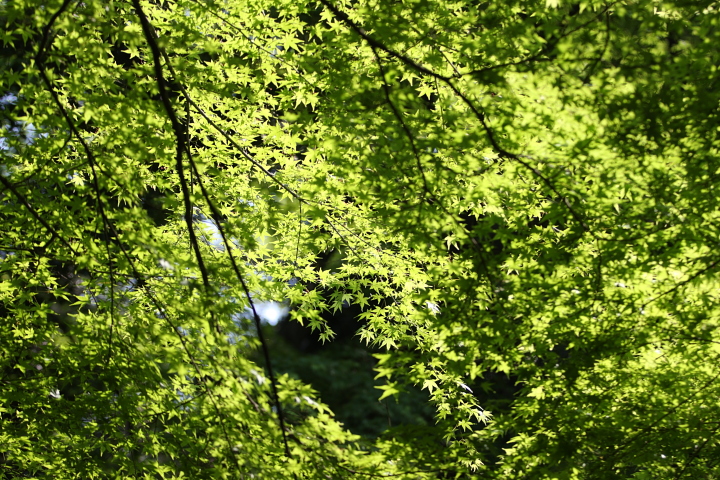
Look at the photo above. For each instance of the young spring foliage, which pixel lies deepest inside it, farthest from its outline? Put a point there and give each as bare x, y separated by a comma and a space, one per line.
521, 194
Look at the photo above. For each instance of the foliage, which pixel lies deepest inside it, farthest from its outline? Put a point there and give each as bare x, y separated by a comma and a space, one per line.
519, 196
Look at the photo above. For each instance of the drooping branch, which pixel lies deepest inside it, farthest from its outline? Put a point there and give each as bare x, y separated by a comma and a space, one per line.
182, 148
180, 141
502, 152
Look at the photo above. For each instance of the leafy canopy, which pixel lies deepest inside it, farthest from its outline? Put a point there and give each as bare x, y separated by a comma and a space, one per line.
521, 197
